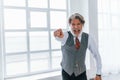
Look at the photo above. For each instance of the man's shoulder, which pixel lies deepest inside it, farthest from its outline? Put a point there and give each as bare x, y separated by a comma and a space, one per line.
85, 33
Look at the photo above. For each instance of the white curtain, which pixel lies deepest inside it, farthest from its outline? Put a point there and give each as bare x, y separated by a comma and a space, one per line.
109, 34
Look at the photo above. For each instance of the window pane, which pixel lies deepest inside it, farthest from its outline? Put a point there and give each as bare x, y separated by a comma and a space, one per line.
99, 5
114, 6
58, 19
15, 41
118, 5
115, 21
15, 19
109, 44
39, 41
100, 21
58, 4
104, 21
38, 19
16, 64
56, 59
39, 61
14, 2
38, 3
105, 5
55, 44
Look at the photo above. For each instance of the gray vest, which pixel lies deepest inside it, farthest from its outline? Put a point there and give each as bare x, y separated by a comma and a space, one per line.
73, 60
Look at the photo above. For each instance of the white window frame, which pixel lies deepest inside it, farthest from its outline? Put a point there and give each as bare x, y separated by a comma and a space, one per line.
2, 38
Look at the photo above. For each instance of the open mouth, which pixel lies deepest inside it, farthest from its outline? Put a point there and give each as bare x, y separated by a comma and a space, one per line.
76, 30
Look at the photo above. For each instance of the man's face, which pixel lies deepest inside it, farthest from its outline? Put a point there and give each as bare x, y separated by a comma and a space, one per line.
76, 26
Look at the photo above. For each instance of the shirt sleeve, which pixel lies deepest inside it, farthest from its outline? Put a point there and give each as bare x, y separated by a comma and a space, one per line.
64, 39
94, 50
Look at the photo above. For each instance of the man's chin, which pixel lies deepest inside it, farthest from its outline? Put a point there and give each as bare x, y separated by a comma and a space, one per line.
76, 34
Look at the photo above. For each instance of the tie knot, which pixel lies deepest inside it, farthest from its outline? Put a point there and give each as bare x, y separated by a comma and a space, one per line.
76, 39
77, 43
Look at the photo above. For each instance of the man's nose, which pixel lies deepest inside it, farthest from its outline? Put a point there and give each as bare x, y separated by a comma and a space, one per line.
75, 26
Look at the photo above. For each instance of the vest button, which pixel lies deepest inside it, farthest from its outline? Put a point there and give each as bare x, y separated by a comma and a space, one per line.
76, 65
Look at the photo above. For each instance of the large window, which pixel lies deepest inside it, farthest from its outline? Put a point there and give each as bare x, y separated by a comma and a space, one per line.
27, 33
109, 30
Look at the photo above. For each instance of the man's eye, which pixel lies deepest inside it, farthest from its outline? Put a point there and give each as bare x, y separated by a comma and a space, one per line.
73, 24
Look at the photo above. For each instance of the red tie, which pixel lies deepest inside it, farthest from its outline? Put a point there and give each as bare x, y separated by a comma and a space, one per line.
77, 43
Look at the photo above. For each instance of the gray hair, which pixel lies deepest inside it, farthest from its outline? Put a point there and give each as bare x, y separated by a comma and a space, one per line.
77, 16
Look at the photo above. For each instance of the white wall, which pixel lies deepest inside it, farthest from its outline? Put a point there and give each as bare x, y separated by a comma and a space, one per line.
93, 29
1, 59
80, 6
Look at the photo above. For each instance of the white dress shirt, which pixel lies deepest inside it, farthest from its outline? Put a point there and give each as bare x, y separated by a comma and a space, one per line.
91, 46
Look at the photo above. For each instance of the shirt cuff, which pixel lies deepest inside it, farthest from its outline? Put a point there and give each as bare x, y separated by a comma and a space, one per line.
99, 72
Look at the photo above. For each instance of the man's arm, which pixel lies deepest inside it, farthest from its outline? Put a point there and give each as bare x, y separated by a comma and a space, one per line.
61, 36
94, 50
